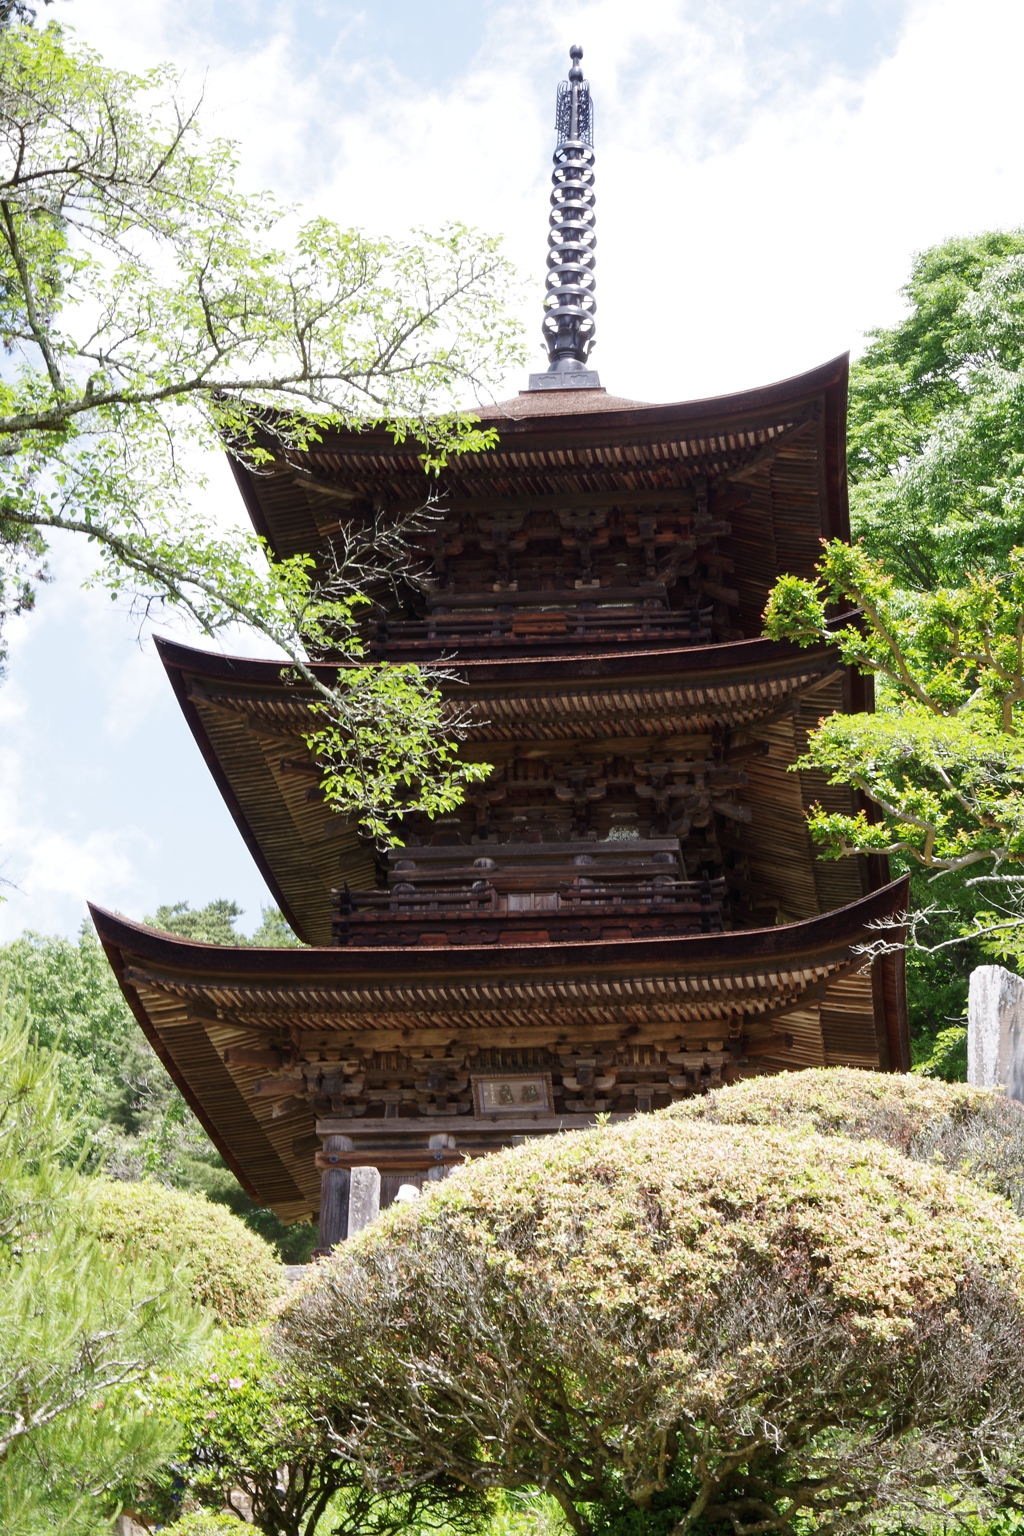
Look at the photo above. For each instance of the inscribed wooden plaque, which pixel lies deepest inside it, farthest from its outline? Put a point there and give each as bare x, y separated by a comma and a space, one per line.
512, 1093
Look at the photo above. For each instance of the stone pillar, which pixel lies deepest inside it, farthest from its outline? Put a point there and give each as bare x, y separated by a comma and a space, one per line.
363, 1199
439, 1171
334, 1186
995, 1030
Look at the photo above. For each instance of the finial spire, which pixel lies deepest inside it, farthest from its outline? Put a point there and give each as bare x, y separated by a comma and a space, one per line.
569, 303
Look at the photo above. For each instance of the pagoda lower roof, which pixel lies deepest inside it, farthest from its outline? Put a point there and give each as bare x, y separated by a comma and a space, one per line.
794, 995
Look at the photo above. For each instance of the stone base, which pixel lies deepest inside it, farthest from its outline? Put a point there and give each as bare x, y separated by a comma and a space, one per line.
578, 378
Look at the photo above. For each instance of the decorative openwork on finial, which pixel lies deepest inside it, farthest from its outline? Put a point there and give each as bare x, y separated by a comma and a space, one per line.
569, 303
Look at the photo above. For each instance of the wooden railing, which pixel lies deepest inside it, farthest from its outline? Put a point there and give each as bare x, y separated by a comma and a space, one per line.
524, 626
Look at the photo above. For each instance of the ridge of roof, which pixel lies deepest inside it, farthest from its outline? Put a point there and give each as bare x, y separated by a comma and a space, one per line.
558, 402
778, 939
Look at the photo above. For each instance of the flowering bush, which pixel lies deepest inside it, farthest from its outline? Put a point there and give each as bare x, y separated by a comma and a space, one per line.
680, 1323
975, 1131
232, 1270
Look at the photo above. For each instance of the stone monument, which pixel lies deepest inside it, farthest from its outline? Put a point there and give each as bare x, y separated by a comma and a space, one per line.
995, 1030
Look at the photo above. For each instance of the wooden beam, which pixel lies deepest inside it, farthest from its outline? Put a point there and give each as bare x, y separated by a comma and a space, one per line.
465, 1125
277, 1087
243, 1056
769, 1045
387, 1157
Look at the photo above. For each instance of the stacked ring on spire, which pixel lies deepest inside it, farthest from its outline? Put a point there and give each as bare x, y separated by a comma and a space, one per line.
570, 303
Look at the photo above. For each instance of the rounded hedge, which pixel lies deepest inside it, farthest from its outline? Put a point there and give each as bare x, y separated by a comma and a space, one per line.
581, 1312
232, 1271
656, 1209
977, 1132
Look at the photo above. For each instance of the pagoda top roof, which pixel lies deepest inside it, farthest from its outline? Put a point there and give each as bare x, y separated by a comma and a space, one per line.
580, 444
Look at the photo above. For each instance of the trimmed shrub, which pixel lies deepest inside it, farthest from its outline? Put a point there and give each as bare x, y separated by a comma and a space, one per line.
232, 1271
669, 1321
976, 1132
203, 1523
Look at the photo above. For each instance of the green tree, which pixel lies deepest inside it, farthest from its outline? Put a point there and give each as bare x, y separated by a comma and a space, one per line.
940, 762
81, 1330
17, 10
153, 311
935, 436
215, 924
672, 1327
936, 455
228, 1270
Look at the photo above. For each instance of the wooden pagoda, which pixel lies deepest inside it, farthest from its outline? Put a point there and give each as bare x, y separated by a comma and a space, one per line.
628, 909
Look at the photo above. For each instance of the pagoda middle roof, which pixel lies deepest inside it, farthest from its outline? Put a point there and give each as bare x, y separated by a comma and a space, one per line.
248, 718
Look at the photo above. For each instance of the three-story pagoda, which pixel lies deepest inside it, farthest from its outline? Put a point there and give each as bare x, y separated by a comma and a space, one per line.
628, 910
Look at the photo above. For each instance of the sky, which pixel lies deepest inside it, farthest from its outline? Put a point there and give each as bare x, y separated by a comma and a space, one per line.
765, 174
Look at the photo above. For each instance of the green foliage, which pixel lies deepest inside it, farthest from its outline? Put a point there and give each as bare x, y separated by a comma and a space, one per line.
747, 1316
132, 1120
941, 763
212, 924
940, 960
202, 1523
12, 11
215, 924
937, 459
393, 759
946, 1055
230, 1270
241, 1421
81, 1331
525, 1514
77, 1009
152, 312
249, 1434
273, 932
935, 445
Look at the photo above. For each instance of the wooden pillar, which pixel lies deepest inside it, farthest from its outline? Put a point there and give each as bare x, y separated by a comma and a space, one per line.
334, 1186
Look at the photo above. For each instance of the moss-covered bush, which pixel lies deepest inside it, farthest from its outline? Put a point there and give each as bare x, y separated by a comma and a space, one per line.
679, 1321
973, 1131
233, 1272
